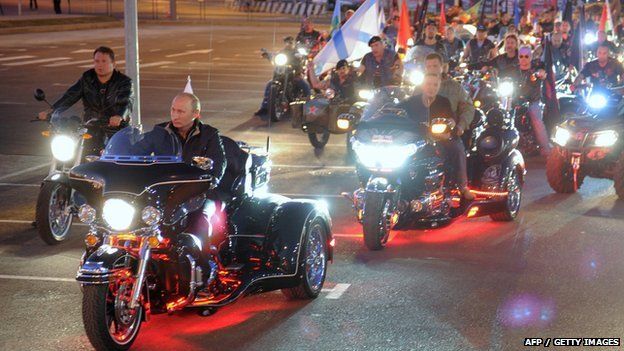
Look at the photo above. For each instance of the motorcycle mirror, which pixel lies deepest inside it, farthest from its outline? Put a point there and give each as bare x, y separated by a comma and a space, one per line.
39, 95
204, 163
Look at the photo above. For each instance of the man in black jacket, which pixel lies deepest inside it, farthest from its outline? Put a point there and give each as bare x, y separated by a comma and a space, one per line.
422, 108
107, 96
197, 138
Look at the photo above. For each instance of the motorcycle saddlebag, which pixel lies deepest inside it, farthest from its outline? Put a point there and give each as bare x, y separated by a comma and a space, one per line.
296, 113
316, 115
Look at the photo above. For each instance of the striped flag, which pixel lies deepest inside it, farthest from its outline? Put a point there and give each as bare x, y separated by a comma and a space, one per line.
350, 42
335, 21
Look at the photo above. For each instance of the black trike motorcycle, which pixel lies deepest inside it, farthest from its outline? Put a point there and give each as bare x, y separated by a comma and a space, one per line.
162, 237
406, 183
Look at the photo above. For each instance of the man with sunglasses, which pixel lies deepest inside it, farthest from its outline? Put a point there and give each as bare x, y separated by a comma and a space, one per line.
529, 78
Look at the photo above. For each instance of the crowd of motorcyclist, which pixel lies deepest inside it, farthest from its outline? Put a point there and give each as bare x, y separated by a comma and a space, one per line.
498, 47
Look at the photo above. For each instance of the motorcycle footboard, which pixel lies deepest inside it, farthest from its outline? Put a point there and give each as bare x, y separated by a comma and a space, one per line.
485, 207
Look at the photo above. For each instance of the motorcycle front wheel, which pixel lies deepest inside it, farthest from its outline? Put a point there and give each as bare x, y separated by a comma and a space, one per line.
278, 104
53, 214
376, 221
109, 322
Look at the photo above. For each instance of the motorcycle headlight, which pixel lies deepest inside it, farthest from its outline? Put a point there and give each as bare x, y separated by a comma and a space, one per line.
439, 128
386, 157
605, 138
342, 123
302, 51
590, 38
366, 94
118, 214
330, 93
63, 148
280, 59
416, 77
505, 89
151, 215
597, 101
86, 214
561, 136
410, 42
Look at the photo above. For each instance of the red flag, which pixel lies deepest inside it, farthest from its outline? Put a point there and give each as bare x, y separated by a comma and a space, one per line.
442, 18
603, 18
405, 31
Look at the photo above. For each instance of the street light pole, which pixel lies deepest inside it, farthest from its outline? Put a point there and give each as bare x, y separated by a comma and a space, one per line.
132, 57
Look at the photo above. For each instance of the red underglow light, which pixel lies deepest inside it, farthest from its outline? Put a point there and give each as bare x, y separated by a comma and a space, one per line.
488, 193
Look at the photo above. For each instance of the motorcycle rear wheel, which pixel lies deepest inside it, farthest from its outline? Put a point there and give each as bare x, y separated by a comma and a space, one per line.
53, 214
312, 263
514, 199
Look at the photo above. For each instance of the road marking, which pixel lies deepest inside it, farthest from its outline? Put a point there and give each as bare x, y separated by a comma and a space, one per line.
205, 81
155, 50
337, 291
85, 51
24, 63
10, 58
119, 63
24, 171
154, 64
204, 89
190, 52
68, 63
28, 277
21, 221
21, 185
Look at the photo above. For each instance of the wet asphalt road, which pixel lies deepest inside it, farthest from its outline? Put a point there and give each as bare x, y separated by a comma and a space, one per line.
475, 285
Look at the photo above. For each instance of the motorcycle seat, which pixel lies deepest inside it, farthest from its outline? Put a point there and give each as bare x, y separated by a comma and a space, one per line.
238, 165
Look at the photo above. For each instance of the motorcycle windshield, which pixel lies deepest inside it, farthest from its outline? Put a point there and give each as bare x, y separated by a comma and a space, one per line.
132, 145
384, 98
418, 53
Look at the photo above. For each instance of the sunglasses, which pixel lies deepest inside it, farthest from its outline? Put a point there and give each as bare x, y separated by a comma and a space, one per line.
524, 56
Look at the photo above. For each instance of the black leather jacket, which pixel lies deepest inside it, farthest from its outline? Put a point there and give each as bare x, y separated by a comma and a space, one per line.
203, 140
100, 101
